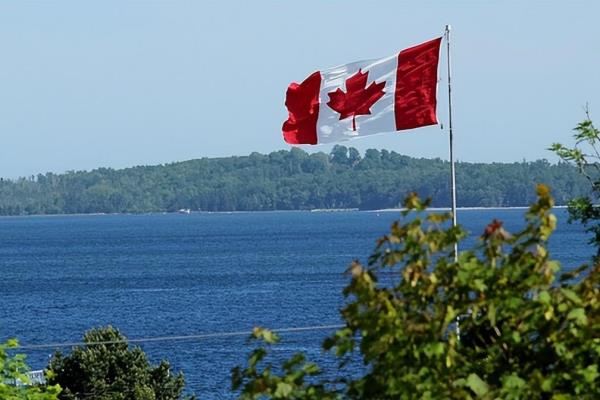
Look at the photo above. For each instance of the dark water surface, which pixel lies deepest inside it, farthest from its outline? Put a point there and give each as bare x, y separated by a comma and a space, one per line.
161, 275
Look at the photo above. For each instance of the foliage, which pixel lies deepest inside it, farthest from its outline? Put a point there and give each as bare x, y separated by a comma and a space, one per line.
14, 383
106, 368
585, 155
523, 333
286, 180
292, 384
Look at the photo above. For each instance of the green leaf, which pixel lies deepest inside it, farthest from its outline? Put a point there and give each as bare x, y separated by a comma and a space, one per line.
590, 374
569, 294
478, 386
513, 381
479, 285
265, 334
547, 385
549, 313
434, 350
516, 336
578, 315
544, 297
283, 390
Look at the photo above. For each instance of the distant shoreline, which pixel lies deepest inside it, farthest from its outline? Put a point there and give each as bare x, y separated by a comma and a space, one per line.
461, 208
319, 210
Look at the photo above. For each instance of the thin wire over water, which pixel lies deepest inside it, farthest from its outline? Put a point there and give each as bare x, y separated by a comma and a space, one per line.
176, 338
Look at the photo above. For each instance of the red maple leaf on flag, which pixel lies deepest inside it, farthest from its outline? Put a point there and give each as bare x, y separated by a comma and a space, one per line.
358, 98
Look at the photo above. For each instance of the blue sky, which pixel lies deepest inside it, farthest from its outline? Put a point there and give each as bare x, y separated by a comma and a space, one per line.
123, 83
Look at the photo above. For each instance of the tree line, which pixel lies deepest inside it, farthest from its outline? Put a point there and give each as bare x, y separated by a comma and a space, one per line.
287, 180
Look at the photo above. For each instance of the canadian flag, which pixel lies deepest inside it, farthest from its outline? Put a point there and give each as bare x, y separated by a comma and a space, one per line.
365, 97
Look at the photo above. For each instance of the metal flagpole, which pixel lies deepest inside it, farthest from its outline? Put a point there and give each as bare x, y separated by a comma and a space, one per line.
452, 170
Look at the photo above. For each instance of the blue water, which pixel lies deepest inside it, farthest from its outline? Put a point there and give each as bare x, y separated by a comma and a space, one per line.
160, 275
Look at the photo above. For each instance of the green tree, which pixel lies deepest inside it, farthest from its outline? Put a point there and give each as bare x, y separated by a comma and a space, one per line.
106, 368
586, 156
353, 156
523, 333
339, 155
14, 383
286, 180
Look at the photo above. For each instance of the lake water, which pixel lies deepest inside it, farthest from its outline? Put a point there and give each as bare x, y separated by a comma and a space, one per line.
163, 275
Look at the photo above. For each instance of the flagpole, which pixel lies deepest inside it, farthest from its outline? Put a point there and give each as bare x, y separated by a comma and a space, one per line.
452, 169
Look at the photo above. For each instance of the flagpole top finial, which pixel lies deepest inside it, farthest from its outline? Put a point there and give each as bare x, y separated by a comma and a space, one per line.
448, 27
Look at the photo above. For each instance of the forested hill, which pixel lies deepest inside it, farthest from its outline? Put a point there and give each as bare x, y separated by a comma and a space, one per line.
286, 180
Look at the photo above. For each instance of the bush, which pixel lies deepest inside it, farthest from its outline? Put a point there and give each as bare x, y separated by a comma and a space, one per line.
106, 368
523, 332
14, 383
585, 155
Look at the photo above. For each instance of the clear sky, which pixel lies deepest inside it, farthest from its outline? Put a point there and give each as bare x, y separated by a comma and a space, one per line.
122, 83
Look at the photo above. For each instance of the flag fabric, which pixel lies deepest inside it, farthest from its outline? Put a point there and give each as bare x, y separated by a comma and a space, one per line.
365, 97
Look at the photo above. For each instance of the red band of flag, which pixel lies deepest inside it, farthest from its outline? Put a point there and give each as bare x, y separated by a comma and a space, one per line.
416, 86
302, 102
